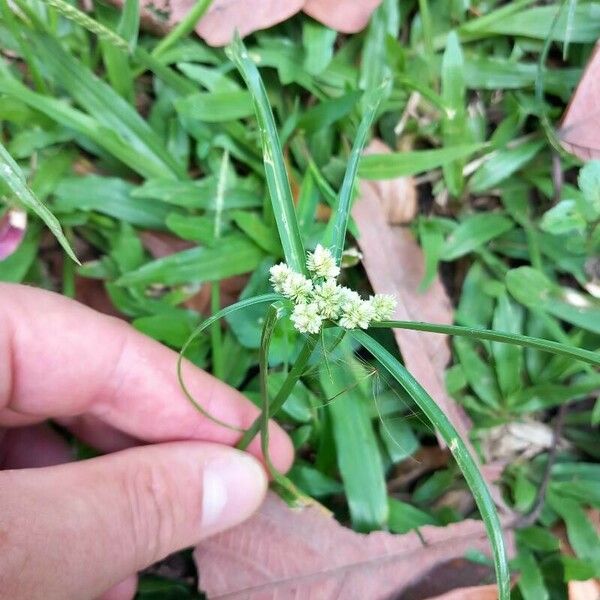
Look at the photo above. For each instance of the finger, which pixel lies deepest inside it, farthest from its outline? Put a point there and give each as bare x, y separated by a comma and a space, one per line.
76, 530
66, 360
97, 433
122, 591
35, 446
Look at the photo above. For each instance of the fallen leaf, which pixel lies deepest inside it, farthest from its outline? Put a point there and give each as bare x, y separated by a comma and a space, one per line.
12, 231
517, 440
347, 16
579, 590
220, 22
424, 460
395, 265
163, 244
580, 128
478, 592
285, 553
224, 17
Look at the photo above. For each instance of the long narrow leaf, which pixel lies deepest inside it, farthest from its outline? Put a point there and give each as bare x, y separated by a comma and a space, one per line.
277, 180
342, 214
462, 456
586, 356
12, 176
76, 120
401, 164
106, 106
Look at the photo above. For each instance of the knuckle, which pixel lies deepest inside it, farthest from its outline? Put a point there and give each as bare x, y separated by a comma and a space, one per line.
152, 512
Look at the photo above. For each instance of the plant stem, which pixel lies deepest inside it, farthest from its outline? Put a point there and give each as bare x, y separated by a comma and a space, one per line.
183, 28
282, 395
215, 331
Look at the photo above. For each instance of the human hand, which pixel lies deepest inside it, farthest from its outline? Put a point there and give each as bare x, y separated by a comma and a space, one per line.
80, 530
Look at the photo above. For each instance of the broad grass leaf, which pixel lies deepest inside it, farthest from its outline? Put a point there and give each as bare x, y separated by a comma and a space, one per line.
358, 456
534, 290
284, 553
580, 128
234, 255
475, 231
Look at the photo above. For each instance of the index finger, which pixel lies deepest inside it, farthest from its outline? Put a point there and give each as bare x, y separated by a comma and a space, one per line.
65, 360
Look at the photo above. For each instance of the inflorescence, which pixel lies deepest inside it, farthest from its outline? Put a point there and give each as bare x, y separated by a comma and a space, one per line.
320, 298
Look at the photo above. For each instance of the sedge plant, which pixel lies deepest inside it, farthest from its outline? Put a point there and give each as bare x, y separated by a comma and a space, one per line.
305, 291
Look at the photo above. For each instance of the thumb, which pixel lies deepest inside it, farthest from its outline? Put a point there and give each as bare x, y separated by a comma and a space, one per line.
73, 531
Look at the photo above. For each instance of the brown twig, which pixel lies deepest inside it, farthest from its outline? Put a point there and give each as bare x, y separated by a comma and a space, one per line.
533, 515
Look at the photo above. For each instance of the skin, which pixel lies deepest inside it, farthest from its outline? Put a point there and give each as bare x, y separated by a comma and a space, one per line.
168, 477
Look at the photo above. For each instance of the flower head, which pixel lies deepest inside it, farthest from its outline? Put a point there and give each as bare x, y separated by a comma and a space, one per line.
356, 312
383, 306
297, 287
328, 298
280, 275
306, 318
321, 263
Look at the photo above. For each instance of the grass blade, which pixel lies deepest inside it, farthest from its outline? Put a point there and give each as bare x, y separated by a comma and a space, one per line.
106, 106
12, 176
358, 454
76, 120
401, 164
587, 356
168, 75
454, 120
183, 28
276, 175
342, 214
464, 460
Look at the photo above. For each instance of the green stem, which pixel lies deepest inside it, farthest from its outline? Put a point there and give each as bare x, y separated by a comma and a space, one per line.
586, 356
282, 395
276, 312
215, 331
183, 28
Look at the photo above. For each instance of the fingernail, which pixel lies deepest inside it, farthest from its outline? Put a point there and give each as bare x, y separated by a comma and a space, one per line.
233, 488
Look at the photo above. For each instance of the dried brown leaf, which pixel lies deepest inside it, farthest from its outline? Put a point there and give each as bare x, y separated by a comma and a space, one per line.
478, 592
219, 24
347, 16
284, 553
224, 17
580, 129
395, 265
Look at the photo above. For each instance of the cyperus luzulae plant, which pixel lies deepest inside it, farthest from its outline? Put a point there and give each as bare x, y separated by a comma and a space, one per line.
306, 291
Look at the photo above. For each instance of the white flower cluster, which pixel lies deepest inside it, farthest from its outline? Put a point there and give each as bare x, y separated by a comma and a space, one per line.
320, 298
